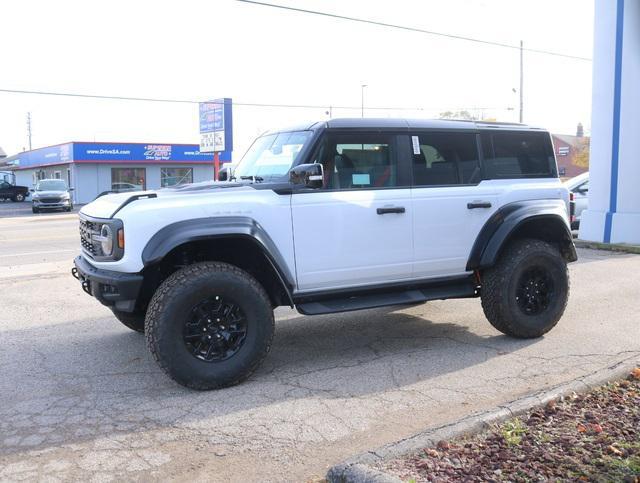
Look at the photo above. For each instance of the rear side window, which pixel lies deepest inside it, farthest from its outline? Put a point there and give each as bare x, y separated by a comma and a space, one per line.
445, 159
518, 155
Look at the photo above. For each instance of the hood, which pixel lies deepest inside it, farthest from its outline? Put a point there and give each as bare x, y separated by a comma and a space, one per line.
107, 205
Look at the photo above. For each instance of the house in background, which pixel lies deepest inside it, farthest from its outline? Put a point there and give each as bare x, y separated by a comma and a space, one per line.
572, 153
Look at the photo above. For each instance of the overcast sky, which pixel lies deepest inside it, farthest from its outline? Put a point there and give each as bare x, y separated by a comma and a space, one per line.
204, 50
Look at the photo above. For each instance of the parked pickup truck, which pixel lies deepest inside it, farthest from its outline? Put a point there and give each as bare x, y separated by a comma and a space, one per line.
12, 192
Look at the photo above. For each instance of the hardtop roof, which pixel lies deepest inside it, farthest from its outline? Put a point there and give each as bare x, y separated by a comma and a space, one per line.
402, 124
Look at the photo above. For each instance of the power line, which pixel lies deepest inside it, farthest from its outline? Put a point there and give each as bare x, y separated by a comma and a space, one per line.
414, 29
245, 104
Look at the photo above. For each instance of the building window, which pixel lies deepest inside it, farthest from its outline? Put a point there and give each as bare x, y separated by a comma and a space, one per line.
128, 179
57, 175
175, 176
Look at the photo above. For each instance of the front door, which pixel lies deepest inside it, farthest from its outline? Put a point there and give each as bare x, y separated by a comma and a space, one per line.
356, 230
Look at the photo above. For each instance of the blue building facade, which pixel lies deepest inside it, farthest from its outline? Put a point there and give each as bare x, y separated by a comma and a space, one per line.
92, 168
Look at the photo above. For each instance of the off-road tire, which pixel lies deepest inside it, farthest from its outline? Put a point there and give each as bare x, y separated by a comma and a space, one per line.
500, 286
133, 321
175, 299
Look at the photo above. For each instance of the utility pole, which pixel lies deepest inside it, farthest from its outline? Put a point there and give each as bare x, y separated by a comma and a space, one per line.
521, 80
29, 128
362, 86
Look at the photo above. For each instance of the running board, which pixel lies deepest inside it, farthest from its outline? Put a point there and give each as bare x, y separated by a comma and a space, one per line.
329, 304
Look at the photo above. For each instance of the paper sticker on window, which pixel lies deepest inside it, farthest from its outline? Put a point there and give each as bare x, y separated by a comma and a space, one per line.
360, 179
416, 144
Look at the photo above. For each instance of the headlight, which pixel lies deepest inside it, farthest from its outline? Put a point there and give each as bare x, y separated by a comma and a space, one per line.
65, 196
106, 240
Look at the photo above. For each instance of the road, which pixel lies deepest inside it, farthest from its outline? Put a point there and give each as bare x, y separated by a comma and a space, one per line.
81, 398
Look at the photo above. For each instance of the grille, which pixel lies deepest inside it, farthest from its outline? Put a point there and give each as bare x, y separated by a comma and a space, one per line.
50, 200
87, 229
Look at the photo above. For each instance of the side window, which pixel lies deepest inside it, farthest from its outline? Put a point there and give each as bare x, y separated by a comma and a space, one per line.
519, 155
445, 159
358, 161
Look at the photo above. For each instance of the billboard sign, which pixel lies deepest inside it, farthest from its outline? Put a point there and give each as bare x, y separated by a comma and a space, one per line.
216, 128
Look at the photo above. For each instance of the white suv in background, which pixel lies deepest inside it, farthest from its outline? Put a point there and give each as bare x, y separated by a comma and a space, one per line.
328, 217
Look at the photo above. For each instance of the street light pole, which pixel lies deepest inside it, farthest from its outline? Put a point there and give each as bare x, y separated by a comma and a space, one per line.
362, 86
29, 128
521, 81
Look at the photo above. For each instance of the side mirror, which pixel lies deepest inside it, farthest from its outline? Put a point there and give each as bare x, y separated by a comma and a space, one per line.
309, 175
225, 174
32, 190
70, 189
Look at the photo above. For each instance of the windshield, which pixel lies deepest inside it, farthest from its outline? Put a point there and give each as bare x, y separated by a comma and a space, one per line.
51, 185
272, 155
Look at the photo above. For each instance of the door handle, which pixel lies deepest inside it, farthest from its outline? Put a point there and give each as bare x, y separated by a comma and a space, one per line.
478, 204
384, 211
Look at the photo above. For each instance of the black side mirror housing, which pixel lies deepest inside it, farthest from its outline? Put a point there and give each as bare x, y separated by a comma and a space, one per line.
71, 189
32, 190
309, 175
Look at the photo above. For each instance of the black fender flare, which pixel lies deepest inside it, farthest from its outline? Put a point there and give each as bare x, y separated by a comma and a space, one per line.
499, 228
176, 234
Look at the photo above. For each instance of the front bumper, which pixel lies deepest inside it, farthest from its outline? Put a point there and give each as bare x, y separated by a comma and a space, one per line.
52, 206
117, 290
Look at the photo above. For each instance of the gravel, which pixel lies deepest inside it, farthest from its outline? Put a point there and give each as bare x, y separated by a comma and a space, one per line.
589, 437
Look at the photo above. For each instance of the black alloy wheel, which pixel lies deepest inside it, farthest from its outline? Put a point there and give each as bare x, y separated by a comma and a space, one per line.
535, 291
215, 330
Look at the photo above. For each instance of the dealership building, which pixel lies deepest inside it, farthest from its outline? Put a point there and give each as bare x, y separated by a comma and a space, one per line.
93, 168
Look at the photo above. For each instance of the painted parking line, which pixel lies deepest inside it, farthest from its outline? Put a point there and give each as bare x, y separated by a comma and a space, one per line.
37, 253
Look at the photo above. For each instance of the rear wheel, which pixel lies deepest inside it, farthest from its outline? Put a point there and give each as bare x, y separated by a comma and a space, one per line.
133, 321
18, 197
209, 325
525, 293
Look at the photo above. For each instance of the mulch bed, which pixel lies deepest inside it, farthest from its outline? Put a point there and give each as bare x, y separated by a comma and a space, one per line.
584, 437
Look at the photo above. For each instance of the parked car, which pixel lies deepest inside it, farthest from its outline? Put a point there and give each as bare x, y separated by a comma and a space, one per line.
334, 216
12, 192
579, 192
52, 194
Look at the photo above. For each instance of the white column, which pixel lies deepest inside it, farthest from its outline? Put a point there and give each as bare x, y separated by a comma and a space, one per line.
614, 166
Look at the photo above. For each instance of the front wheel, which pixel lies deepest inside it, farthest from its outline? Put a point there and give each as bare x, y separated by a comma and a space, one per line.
209, 325
525, 293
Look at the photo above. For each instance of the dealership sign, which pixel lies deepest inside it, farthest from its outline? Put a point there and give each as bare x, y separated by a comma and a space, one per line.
113, 153
216, 128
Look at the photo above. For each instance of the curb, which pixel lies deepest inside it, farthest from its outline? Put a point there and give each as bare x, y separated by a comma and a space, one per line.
358, 470
612, 247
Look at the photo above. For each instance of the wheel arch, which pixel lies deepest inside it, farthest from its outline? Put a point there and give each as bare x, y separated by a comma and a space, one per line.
240, 241
539, 219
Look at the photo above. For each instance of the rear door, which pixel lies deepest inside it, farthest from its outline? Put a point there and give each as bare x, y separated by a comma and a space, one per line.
357, 229
450, 204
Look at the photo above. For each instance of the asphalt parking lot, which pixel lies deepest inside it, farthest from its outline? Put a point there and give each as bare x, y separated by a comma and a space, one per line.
81, 398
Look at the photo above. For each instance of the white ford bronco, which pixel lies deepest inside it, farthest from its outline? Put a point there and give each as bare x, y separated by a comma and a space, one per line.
334, 216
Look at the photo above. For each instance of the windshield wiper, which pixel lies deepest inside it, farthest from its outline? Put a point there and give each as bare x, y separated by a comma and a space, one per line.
255, 179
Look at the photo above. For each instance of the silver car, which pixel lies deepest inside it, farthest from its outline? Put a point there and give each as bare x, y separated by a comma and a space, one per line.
579, 189
51, 194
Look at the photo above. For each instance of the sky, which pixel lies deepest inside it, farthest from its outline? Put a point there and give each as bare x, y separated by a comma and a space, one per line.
197, 50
